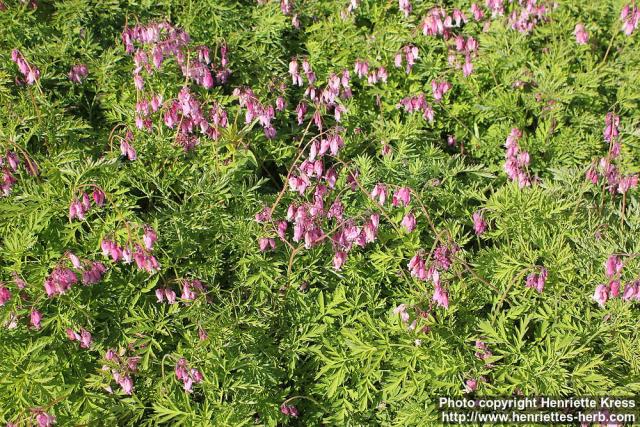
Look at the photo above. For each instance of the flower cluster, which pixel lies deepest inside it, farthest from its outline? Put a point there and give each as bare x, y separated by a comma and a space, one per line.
83, 337
121, 368
190, 291
163, 40
530, 14
468, 48
62, 278
417, 103
439, 89
606, 169
81, 205
537, 280
30, 73
325, 99
188, 376
256, 110
289, 410
409, 54
131, 251
613, 268
160, 41
78, 73
439, 23
440, 261
309, 218
516, 160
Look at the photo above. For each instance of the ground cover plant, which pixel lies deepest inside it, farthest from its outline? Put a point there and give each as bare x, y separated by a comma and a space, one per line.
314, 212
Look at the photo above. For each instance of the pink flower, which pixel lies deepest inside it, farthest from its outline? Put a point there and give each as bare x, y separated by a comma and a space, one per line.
78, 73
36, 318
614, 288
582, 36
611, 127
631, 290
537, 280
402, 311
289, 410
439, 89
85, 338
45, 420
127, 384
441, 297
98, 196
401, 197
601, 295
361, 68
75, 261
629, 17
339, 259
149, 237
266, 244
470, 385
479, 224
202, 334
405, 7
409, 222
379, 192
5, 295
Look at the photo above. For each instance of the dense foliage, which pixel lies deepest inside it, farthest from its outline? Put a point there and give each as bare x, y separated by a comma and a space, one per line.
313, 211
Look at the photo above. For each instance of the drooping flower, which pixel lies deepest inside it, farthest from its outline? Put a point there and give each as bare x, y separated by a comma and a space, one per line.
149, 237
266, 244
401, 197
582, 36
441, 297
409, 222
35, 318
5, 295
45, 420
479, 224
612, 121
601, 295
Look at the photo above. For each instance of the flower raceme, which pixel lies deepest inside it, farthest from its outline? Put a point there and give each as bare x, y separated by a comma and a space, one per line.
516, 160
62, 278
133, 251
30, 73
121, 368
